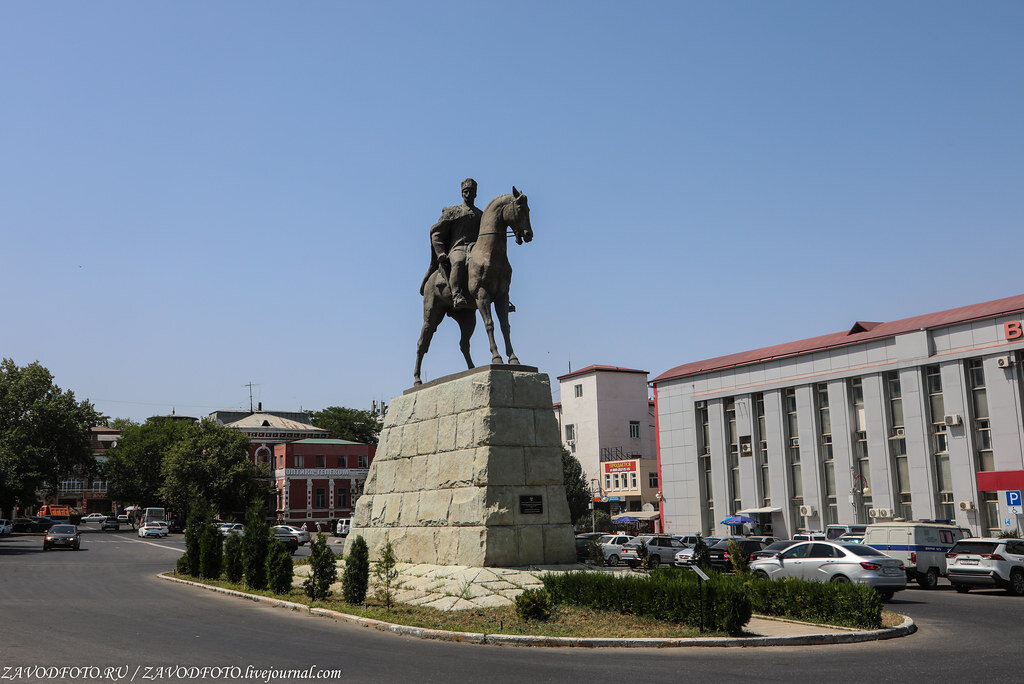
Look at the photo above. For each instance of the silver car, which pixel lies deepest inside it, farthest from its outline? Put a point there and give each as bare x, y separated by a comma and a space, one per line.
824, 561
611, 545
684, 558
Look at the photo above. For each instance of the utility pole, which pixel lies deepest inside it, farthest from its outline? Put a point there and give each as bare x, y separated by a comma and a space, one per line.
250, 386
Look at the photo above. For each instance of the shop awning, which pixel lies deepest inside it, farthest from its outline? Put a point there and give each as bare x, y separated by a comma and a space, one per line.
639, 515
766, 509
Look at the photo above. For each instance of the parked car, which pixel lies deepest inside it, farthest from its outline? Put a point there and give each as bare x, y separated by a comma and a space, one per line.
62, 536
833, 532
832, 562
153, 529
810, 536
342, 527
987, 562
123, 519
850, 539
94, 517
231, 528
583, 548
60, 519
719, 553
283, 534
611, 546
921, 546
684, 558
660, 549
32, 524
301, 534
772, 549
6, 526
110, 523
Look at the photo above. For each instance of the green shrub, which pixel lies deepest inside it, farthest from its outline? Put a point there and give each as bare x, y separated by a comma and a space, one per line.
255, 547
846, 605
667, 594
595, 554
323, 570
199, 516
211, 551
533, 604
356, 578
643, 555
740, 561
702, 554
233, 558
386, 573
280, 569
183, 566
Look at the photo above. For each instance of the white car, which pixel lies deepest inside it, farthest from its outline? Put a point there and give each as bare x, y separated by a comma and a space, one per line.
819, 561
6, 527
231, 528
302, 535
94, 517
153, 529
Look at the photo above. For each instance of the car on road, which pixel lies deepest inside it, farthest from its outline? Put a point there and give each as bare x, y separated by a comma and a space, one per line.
660, 549
231, 528
987, 562
719, 553
824, 561
342, 527
123, 519
284, 534
684, 558
583, 548
921, 545
834, 531
153, 529
611, 546
6, 526
63, 537
32, 524
94, 517
110, 523
301, 534
810, 536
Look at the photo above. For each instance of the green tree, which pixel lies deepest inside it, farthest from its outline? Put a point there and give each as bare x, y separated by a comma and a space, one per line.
211, 461
346, 423
211, 551
323, 569
386, 573
119, 423
280, 569
134, 468
256, 546
233, 558
44, 434
702, 554
577, 489
356, 579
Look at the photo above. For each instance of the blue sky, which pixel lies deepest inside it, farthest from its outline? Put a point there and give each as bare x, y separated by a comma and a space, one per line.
195, 195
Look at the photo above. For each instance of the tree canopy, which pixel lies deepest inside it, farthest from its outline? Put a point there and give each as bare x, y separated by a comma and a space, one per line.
346, 423
44, 434
134, 468
577, 489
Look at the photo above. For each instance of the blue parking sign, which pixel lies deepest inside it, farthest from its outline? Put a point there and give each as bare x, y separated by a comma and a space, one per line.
1013, 497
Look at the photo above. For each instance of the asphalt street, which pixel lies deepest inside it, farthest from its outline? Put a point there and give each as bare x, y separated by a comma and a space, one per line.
104, 607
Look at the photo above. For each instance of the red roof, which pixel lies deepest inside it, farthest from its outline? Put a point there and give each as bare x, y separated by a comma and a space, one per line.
606, 369
861, 331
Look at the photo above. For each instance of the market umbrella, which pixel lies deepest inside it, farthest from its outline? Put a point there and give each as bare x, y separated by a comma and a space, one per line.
738, 520
626, 519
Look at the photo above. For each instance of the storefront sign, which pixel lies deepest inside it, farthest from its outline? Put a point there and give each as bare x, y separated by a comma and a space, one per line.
620, 467
321, 472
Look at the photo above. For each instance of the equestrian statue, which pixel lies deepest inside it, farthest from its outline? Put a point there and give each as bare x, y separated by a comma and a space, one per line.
469, 269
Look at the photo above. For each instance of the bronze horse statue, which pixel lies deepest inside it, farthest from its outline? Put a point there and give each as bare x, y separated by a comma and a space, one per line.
490, 275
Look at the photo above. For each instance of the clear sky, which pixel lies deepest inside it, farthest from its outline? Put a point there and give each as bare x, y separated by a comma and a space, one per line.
196, 195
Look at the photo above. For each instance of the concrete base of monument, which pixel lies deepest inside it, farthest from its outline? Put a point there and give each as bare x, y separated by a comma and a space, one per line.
468, 471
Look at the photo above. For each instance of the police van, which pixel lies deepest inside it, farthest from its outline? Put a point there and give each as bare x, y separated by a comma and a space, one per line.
921, 545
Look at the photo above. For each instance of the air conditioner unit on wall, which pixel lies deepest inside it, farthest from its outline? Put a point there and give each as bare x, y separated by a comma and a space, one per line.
952, 419
745, 447
966, 505
807, 511
899, 432
880, 512
1004, 361
701, 404
872, 512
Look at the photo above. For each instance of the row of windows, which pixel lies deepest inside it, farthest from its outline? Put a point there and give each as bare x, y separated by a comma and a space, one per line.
618, 481
860, 496
320, 461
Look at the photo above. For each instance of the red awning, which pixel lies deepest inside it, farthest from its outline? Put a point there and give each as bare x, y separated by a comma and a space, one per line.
1000, 480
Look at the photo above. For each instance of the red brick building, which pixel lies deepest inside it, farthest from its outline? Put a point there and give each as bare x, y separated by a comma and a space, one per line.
319, 480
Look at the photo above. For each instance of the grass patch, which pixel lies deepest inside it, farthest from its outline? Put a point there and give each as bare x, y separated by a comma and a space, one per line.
565, 621
890, 619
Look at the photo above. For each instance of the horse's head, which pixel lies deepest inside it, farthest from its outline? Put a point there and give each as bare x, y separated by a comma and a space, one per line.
517, 215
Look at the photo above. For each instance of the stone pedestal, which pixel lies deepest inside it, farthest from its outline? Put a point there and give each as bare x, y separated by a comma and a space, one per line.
468, 471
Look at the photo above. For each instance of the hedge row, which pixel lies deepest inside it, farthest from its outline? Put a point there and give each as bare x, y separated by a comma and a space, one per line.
671, 597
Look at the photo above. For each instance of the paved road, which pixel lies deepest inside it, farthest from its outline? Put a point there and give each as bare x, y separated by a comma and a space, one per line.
102, 606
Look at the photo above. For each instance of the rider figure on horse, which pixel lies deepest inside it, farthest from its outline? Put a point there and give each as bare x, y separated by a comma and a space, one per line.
451, 240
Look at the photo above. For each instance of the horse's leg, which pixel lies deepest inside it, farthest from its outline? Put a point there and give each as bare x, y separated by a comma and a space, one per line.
501, 311
483, 305
433, 314
467, 324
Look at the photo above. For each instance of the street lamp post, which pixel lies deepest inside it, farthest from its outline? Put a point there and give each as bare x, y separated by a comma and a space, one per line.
593, 505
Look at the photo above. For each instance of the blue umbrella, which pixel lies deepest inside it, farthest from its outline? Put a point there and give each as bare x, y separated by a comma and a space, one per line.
627, 519
738, 520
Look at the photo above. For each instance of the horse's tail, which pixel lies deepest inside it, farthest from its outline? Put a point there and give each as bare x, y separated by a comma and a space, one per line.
430, 271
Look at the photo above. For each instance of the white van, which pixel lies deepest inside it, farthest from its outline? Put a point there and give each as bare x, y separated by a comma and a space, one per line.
342, 528
921, 546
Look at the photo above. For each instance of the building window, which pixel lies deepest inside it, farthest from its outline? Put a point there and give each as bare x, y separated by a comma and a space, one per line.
979, 414
733, 444
652, 480
570, 432
298, 461
321, 498
762, 451
704, 465
607, 481
341, 497
615, 481
321, 461
341, 461
632, 480
990, 511
634, 429
826, 453
578, 390
364, 461
939, 442
898, 447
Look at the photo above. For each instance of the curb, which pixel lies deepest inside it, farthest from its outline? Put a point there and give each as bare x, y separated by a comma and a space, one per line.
905, 629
